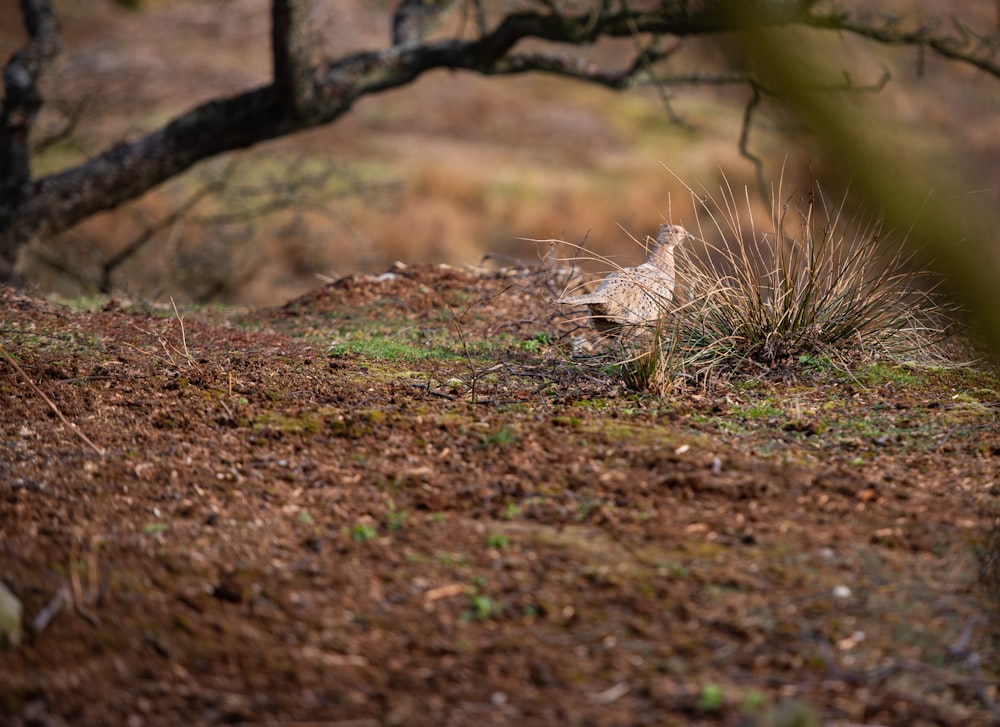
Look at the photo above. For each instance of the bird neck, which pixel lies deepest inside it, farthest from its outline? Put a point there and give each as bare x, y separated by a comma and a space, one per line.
662, 258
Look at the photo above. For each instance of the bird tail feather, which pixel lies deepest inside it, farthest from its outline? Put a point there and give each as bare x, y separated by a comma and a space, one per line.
589, 299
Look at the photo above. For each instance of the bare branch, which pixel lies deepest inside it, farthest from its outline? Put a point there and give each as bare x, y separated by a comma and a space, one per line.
128, 170
758, 163
72, 114
143, 238
481, 23
974, 50
295, 187
414, 19
758, 90
568, 66
740, 77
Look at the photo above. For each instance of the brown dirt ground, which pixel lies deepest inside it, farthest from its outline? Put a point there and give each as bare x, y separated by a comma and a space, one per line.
291, 525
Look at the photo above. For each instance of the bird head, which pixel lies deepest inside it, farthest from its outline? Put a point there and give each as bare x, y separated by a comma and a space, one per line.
672, 235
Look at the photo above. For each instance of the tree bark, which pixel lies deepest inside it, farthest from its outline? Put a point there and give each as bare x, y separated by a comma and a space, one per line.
18, 110
292, 49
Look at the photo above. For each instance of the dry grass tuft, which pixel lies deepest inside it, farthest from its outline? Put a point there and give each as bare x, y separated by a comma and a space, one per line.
813, 285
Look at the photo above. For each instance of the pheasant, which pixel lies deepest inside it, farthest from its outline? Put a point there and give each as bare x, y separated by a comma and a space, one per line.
635, 296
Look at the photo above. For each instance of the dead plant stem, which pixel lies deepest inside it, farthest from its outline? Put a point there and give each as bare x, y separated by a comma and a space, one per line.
73, 427
180, 319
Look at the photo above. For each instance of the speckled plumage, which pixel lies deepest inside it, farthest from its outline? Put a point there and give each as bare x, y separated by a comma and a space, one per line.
635, 296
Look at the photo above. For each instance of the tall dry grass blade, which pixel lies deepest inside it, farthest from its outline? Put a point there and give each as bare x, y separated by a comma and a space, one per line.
816, 283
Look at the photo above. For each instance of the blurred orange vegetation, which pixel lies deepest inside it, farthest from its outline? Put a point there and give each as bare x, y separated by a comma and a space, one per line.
474, 163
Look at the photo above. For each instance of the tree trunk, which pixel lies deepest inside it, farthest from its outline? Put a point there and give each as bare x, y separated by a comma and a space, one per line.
291, 47
18, 110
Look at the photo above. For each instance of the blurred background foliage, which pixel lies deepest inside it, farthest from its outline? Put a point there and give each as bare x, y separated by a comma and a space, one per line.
456, 166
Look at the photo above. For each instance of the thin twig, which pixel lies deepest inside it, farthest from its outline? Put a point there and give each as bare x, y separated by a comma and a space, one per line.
79, 605
465, 350
73, 427
981, 687
758, 163
53, 607
180, 319
426, 386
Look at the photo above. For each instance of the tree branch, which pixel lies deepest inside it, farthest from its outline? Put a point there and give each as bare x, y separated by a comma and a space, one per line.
291, 47
127, 170
72, 115
414, 19
758, 163
172, 219
303, 96
974, 50
562, 65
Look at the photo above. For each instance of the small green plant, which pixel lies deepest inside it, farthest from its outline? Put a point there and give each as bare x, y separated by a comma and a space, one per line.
502, 437
753, 701
672, 569
481, 607
511, 511
306, 521
363, 532
536, 344
761, 410
711, 698
394, 519
389, 348
450, 560
497, 541
879, 373
813, 362
586, 508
